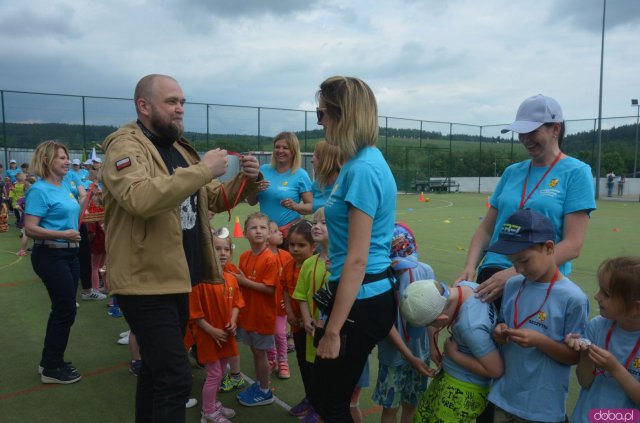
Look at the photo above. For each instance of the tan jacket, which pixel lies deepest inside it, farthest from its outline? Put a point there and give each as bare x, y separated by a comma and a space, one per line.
142, 218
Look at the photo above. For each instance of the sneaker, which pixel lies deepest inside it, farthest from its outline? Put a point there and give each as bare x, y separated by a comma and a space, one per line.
227, 412
77, 305
93, 295
257, 398
247, 392
114, 312
67, 364
301, 409
135, 366
291, 348
125, 333
283, 370
124, 340
216, 417
61, 375
230, 383
311, 417
191, 402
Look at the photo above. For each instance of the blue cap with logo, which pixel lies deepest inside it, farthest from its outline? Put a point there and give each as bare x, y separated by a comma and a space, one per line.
522, 230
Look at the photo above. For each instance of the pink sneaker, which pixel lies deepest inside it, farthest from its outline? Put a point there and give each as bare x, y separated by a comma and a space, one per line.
227, 412
283, 370
216, 417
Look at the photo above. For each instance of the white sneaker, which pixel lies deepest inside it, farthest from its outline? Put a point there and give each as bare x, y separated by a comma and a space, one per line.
192, 402
124, 340
216, 417
125, 333
227, 412
93, 295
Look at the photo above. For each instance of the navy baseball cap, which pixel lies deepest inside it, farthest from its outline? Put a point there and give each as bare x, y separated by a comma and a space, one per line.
523, 229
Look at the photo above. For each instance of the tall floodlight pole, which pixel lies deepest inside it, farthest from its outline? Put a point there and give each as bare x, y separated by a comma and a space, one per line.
599, 149
634, 102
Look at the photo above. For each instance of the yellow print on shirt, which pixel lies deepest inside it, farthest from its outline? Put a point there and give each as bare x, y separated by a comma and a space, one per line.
542, 316
285, 183
636, 363
553, 183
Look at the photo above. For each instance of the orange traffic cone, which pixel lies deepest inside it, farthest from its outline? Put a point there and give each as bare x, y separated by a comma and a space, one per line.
237, 230
487, 205
422, 197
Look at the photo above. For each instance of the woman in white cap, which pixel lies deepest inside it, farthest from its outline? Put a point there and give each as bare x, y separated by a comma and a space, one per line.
558, 186
13, 170
552, 183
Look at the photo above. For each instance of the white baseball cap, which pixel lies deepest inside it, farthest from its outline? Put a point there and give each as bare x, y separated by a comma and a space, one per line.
88, 162
421, 303
12, 161
97, 160
75, 162
534, 112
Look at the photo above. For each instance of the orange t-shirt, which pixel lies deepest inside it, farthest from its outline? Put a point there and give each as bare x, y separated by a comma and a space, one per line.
283, 258
214, 302
230, 267
259, 314
289, 280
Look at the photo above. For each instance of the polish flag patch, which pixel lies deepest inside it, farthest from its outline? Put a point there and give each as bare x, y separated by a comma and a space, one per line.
123, 163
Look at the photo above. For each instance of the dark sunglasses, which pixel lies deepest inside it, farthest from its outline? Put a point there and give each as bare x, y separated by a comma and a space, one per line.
320, 113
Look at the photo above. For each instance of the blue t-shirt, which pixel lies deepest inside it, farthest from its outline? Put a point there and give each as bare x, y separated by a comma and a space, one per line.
320, 196
414, 337
282, 186
74, 181
366, 183
568, 188
605, 391
534, 386
472, 331
11, 173
56, 206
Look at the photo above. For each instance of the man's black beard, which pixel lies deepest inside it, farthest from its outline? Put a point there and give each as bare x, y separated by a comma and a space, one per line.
167, 132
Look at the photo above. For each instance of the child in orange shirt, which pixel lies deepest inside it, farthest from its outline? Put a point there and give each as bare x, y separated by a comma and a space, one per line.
213, 311
277, 356
258, 279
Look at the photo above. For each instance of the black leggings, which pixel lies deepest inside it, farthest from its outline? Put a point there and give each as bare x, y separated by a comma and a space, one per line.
333, 380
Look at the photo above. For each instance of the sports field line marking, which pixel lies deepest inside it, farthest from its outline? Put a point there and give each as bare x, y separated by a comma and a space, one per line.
53, 385
17, 260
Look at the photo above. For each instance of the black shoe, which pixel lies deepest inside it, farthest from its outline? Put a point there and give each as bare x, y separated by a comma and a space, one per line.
62, 375
67, 365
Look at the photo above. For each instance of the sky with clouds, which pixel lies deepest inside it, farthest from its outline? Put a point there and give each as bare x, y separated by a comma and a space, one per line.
465, 61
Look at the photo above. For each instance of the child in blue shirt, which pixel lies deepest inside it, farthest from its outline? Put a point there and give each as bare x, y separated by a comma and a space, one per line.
540, 306
403, 356
609, 366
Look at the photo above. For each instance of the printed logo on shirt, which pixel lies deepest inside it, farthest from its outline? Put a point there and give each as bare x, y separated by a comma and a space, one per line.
542, 316
550, 192
123, 163
553, 183
285, 183
72, 196
636, 363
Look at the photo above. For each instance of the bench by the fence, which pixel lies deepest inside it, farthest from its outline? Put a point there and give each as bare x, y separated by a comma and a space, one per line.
435, 185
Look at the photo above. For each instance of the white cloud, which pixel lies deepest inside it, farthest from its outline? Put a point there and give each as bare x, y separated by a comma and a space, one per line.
461, 61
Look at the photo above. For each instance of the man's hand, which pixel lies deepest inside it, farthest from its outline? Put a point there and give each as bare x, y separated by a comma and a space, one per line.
250, 167
216, 161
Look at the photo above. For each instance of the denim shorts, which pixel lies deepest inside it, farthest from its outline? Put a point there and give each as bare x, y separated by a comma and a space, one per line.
257, 340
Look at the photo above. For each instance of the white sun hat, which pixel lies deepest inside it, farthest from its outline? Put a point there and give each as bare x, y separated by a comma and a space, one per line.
422, 302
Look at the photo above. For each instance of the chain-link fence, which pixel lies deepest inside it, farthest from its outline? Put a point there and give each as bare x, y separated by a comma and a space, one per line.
417, 150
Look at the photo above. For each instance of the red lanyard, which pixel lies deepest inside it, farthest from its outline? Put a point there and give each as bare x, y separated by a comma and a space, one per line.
453, 319
524, 200
224, 194
517, 325
86, 204
322, 281
598, 372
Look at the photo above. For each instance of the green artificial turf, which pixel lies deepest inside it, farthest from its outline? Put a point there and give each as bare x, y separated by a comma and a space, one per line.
443, 227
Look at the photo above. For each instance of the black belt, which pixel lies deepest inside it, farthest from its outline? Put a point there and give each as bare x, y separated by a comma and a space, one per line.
56, 244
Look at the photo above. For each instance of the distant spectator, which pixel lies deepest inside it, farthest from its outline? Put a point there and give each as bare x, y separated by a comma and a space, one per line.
24, 167
621, 181
13, 170
610, 178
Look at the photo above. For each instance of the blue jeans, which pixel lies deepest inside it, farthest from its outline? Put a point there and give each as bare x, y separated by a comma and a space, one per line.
164, 383
59, 270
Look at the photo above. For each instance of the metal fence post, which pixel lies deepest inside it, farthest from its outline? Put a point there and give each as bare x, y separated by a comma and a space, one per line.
207, 127
4, 131
258, 128
84, 127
